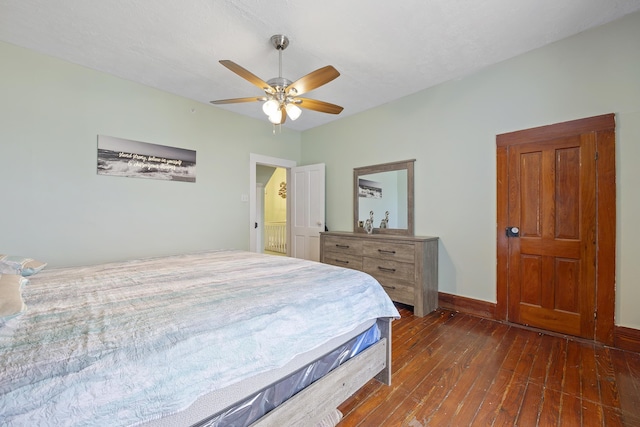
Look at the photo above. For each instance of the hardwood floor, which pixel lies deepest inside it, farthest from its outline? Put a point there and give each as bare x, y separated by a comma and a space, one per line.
452, 369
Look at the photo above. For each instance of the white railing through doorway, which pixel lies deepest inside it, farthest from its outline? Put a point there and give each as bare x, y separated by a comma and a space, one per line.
275, 237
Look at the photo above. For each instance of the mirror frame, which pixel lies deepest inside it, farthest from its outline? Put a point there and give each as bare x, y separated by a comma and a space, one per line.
385, 167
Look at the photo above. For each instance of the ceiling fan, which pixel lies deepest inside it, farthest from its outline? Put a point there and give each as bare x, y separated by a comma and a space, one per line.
281, 97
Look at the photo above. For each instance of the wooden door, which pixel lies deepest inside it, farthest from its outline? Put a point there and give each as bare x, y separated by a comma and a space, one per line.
551, 188
307, 212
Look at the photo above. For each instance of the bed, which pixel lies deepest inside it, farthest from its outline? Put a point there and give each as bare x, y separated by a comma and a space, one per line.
189, 339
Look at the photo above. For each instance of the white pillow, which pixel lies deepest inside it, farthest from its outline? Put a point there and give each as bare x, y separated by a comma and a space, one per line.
11, 302
20, 265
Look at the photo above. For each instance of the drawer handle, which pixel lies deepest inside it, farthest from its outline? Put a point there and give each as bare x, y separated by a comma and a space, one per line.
389, 270
382, 251
342, 262
389, 287
342, 246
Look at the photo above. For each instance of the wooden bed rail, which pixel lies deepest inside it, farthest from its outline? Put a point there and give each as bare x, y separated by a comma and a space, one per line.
314, 403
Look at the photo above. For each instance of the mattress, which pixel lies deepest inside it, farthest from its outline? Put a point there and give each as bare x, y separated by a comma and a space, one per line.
132, 342
245, 402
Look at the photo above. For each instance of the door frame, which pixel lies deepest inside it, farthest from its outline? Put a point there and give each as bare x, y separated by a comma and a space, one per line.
604, 129
258, 159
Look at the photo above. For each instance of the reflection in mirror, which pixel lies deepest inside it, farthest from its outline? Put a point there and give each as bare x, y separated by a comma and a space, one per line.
382, 193
387, 191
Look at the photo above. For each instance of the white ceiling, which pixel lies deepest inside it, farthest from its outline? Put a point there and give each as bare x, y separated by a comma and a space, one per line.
384, 50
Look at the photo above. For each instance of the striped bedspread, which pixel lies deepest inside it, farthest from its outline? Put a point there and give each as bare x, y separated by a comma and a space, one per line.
122, 343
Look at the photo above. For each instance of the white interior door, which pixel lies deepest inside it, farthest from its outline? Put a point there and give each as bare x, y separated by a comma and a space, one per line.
307, 187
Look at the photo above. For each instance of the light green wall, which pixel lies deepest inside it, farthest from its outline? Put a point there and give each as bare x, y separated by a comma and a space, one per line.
56, 208
450, 130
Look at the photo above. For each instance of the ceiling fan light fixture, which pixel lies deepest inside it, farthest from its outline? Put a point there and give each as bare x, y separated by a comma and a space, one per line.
293, 111
276, 117
270, 107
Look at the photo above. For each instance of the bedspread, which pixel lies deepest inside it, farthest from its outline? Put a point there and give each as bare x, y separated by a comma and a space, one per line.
122, 343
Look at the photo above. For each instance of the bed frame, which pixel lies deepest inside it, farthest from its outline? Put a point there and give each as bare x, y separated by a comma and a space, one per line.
311, 405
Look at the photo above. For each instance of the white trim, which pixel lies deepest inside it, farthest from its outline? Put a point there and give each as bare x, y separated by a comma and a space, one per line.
259, 231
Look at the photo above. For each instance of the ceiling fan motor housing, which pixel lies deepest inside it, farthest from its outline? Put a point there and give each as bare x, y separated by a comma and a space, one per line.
279, 81
280, 41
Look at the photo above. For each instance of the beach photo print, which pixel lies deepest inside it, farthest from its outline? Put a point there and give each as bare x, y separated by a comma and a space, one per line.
369, 189
135, 159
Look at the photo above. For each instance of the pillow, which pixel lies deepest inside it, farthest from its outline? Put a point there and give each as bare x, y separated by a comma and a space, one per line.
20, 265
11, 302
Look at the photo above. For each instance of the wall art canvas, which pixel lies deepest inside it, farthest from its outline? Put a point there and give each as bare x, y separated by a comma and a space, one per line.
369, 189
135, 159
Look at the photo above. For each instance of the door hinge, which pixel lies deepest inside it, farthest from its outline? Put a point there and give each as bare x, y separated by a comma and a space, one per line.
595, 314
596, 155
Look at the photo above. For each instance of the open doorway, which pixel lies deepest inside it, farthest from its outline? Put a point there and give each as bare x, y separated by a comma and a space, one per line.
262, 169
305, 208
271, 210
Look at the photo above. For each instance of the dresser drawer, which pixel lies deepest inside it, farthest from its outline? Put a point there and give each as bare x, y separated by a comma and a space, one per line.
404, 252
380, 268
398, 290
405, 266
343, 245
342, 259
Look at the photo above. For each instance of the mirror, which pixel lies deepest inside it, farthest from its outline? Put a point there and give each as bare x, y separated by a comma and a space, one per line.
387, 191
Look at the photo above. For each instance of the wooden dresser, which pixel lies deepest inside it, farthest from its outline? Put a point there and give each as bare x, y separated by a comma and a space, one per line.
406, 266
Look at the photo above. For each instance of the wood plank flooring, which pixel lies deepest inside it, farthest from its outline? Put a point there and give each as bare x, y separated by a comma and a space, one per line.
452, 369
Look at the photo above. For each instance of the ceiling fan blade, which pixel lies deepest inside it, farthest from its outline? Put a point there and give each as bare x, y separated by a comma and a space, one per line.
315, 105
245, 74
237, 100
313, 80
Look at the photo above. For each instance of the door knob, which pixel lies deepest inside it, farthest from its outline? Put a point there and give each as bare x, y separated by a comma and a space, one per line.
513, 232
